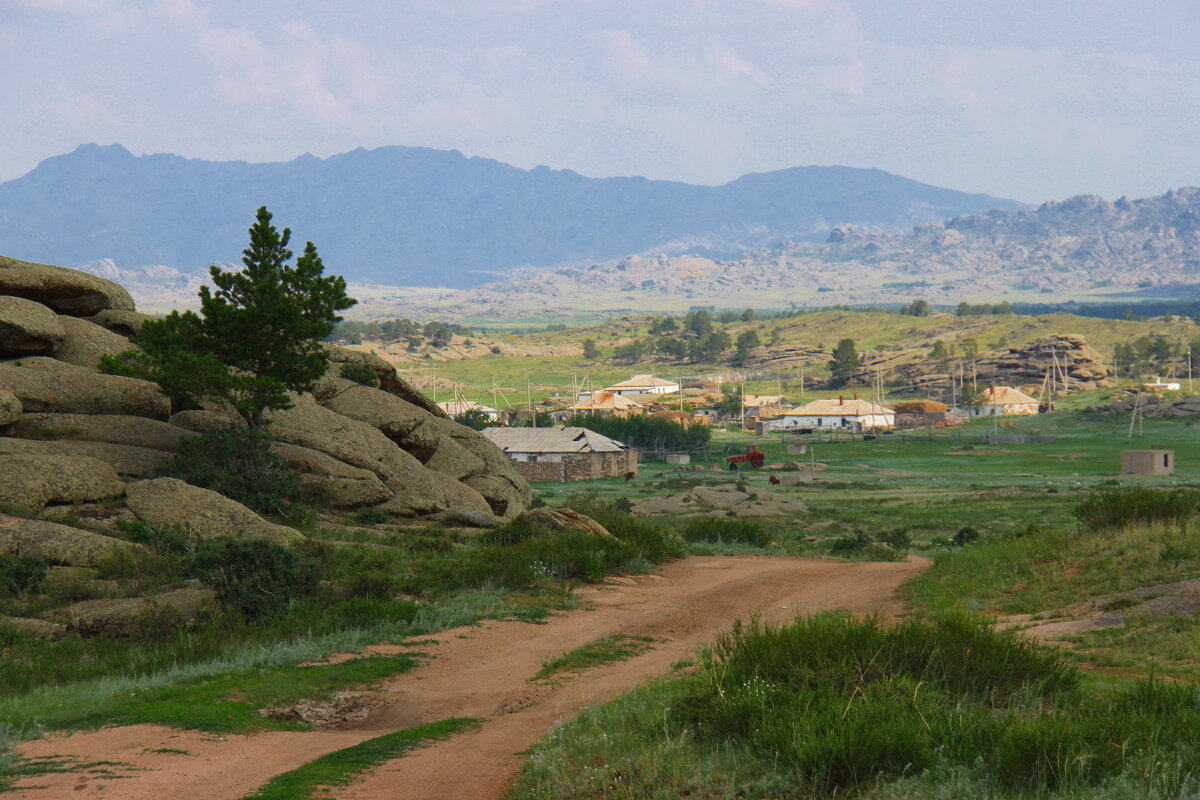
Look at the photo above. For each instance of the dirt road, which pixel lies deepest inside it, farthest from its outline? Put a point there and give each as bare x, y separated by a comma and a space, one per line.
483, 671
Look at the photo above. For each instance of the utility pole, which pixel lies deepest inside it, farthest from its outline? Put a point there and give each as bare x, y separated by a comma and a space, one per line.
529, 399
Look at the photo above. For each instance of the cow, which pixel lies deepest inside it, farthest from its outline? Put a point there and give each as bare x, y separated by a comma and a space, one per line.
774, 480
630, 476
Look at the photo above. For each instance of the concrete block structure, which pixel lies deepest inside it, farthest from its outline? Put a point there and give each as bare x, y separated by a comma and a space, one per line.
1147, 462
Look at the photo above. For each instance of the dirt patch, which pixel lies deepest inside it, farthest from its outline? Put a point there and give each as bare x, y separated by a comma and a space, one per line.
483, 671
1179, 599
343, 710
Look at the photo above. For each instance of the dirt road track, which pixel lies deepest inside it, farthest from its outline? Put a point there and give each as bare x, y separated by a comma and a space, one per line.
483, 671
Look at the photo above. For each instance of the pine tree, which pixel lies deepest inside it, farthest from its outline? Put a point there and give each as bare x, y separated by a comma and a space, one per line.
256, 338
844, 364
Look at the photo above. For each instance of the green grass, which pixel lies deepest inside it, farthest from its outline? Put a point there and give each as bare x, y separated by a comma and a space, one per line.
14, 769
841, 707
342, 767
605, 650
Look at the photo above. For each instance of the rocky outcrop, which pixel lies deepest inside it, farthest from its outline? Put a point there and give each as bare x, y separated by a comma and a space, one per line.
43, 384
38, 628
34, 481
10, 408
28, 328
387, 446
1151, 406
56, 543
170, 503
564, 519
123, 616
111, 428
1064, 361
85, 342
67, 291
127, 460
125, 323
342, 485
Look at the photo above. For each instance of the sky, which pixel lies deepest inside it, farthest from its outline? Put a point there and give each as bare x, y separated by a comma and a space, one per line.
1026, 99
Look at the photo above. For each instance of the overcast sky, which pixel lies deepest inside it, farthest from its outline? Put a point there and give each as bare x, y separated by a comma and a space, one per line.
1029, 99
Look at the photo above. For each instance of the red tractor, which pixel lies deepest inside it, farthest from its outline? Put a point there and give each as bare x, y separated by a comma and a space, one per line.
753, 456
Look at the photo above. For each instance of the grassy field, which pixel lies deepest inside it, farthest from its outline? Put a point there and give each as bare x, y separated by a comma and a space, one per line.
1107, 715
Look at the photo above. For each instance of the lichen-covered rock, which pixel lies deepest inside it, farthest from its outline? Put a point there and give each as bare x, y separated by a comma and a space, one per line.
199, 420
453, 460
28, 328
389, 380
85, 342
343, 485
67, 291
10, 408
56, 543
112, 428
32, 481
168, 502
125, 323
505, 499
126, 615
393, 416
565, 519
127, 460
44, 384
39, 628
361, 445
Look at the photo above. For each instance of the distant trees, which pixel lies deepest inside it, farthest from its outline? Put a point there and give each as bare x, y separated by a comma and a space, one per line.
1150, 353
917, 308
730, 403
746, 342
965, 309
590, 351
698, 322
475, 419
646, 432
844, 364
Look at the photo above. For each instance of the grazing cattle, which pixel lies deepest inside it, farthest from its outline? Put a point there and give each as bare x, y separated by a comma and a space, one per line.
774, 480
630, 476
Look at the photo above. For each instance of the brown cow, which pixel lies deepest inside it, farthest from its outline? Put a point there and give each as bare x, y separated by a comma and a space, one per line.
774, 480
630, 476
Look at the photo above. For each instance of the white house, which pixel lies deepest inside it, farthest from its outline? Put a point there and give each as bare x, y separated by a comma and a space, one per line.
453, 408
1159, 385
643, 384
840, 414
1004, 401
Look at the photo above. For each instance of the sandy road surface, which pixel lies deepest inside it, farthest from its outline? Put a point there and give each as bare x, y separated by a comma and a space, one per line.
483, 671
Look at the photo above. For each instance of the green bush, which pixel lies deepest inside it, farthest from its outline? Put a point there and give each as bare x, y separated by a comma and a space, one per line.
359, 373
21, 574
850, 543
237, 462
258, 578
1116, 508
897, 539
722, 529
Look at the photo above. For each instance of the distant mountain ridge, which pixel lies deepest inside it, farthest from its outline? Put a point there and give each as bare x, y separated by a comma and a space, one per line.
422, 217
1085, 246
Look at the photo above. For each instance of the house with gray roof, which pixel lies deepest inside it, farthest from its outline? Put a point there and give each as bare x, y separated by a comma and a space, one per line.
563, 454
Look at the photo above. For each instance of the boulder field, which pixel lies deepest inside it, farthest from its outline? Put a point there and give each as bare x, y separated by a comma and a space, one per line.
70, 435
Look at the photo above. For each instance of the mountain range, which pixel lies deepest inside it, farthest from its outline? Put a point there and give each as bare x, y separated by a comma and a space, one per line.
411, 216
1081, 248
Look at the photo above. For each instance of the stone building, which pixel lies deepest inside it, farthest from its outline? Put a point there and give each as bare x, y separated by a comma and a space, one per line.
563, 454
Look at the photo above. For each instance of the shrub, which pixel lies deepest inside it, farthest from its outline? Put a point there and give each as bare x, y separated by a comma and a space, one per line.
21, 574
238, 463
1116, 508
258, 578
718, 529
964, 536
371, 515
850, 543
359, 373
897, 539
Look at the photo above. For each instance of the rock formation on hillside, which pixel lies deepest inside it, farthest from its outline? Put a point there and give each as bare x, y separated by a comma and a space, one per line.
70, 435
1068, 359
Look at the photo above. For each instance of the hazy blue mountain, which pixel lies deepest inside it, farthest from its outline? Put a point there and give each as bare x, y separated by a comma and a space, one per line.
416, 216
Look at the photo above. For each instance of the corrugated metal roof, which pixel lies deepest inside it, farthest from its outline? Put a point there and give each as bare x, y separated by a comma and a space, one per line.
552, 440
